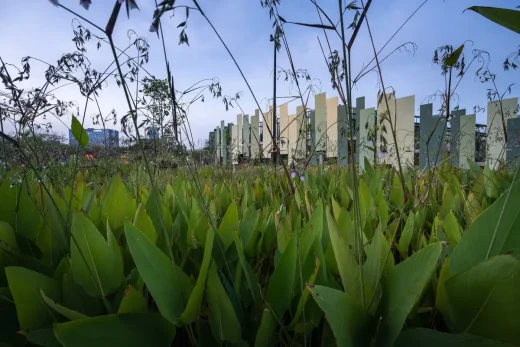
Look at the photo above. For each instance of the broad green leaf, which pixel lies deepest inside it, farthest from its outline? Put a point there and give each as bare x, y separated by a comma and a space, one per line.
406, 236
42, 337
143, 222
79, 132
396, 192
491, 183
114, 246
345, 260
28, 227
348, 320
250, 276
441, 299
64, 311
402, 288
116, 205
25, 288
168, 284
161, 218
493, 232
73, 297
127, 329
507, 18
451, 228
303, 299
192, 310
379, 261
266, 335
7, 237
485, 300
228, 226
133, 301
430, 338
9, 194
452, 59
281, 283
223, 320
95, 267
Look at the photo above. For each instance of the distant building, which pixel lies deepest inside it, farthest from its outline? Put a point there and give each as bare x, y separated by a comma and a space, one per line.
152, 133
98, 138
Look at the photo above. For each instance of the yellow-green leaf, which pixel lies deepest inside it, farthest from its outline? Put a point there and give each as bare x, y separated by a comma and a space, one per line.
94, 266
25, 286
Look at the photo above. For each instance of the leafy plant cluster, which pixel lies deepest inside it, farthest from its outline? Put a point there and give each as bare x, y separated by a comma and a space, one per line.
107, 263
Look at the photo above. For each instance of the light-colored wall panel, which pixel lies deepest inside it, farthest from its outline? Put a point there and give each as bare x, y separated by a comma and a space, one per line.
467, 140
284, 131
255, 135
366, 123
223, 145
496, 150
267, 141
301, 122
246, 128
234, 144
401, 114
332, 127
320, 119
239, 133
292, 131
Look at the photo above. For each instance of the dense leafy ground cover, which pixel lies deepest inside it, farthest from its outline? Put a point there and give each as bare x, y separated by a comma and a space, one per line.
238, 260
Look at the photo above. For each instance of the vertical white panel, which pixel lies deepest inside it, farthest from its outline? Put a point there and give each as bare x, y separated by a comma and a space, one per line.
401, 114
366, 123
239, 133
255, 135
301, 127
234, 144
267, 142
467, 140
284, 131
320, 119
292, 131
495, 141
217, 145
332, 127
246, 129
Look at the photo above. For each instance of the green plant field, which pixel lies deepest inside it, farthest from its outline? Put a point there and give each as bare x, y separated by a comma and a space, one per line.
238, 261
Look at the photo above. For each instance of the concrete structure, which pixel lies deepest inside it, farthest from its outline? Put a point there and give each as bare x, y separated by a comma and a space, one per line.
401, 116
223, 144
301, 128
425, 140
293, 137
235, 144
320, 122
455, 126
364, 144
240, 141
332, 127
217, 142
246, 136
267, 143
342, 136
513, 139
360, 105
98, 138
284, 129
498, 114
255, 135
466, 142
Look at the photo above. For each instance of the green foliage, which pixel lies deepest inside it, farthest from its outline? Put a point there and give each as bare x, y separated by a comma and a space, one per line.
249, 264
79, 132
507, 18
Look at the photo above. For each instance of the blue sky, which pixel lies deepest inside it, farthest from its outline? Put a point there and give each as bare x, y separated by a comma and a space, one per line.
39, 29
